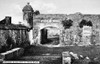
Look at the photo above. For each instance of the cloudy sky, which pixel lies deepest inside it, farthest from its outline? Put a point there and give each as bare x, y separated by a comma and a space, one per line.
14, 7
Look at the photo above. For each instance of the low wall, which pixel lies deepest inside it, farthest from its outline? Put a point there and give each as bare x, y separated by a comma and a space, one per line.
11, 54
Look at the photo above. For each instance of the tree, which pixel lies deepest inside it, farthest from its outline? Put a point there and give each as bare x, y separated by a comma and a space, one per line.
89, 23
37, 12
67, 23
85, 23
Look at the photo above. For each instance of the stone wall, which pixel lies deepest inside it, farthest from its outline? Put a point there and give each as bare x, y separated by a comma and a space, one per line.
73, 36
12, 38
12, 35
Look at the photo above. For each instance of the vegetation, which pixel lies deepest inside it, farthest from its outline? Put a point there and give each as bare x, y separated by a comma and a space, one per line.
84, 22
67, 23
37, 12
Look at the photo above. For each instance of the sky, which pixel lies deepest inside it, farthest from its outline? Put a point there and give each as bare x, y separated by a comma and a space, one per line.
14, 7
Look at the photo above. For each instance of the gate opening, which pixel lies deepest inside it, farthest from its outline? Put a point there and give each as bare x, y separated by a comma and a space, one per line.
50, 36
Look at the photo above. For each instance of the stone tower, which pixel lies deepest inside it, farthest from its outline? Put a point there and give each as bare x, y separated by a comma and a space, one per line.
28, 20
28, 15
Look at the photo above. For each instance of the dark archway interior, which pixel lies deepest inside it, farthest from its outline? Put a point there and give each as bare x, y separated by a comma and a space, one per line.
43, 36
85, 23
46, 40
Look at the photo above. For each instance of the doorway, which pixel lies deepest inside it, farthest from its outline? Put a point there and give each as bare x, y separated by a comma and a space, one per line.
44, 36
50, 36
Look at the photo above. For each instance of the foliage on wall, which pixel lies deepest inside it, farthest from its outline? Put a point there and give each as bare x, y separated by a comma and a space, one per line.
67, 23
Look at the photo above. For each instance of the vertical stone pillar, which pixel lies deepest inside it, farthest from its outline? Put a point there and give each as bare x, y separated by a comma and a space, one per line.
75, 35
99, 37
39, 37
60, 38
31, 37
67, 37
96, 39
62, 33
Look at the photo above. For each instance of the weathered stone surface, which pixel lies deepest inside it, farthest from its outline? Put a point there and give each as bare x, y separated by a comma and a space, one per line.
73, 35
12, 37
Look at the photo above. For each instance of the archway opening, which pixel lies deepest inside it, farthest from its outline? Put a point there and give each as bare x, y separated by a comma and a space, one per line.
43, 36
50, 36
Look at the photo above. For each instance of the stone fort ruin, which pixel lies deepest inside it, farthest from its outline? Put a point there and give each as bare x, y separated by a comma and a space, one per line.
50, 29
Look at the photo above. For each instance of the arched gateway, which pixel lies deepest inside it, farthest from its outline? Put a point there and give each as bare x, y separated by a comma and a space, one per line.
48, 31
41, 29
44, 28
